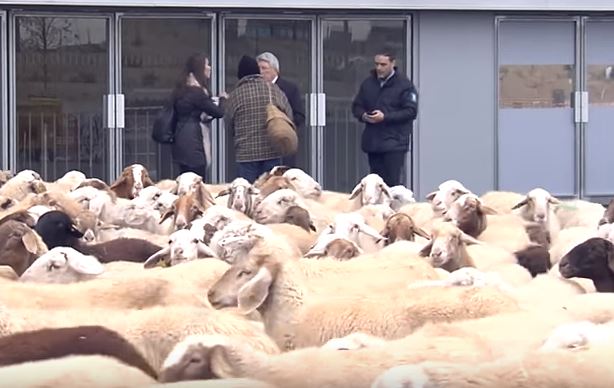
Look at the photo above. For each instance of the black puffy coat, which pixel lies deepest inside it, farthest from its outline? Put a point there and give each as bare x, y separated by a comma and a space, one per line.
398, 100
190, 102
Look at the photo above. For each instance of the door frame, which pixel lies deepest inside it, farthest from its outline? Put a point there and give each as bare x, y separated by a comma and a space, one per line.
230, 15
12, 83
120, 107
409, 71
584, 21
4, 120
578, 86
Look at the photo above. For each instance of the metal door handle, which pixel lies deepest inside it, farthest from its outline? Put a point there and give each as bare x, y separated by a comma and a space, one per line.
108, 111
120, 114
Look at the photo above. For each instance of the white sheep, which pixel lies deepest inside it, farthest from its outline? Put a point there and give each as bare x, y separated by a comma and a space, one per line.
401, 196
294, 319
183, 245
372, 190
22, 184
62, 265
579, 212
446, 193
569, 238
273, 207
304, 183
353, 226
241, 195
575, 335
75, 371
536, 207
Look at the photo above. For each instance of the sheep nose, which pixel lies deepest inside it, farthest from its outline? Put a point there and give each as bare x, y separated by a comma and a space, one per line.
540, 217
179, 251
436, 254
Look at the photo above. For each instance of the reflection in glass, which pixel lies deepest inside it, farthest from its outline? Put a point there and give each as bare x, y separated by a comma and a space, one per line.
600, 81
349, 49
154, 52
535, 86
290, 41
62, 67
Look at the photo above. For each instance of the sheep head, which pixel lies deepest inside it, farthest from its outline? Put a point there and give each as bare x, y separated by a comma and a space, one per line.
400, 226
20, 246
536, 205
592, 259
373, 191
298, 216
272, 208
131, 181
468, 214
183, 245
274, 183
349, 225
190, 359
245, 284
401, 195
336, 246
240, 195
448, 192
447, 247
304, 183
62, 265
185, 209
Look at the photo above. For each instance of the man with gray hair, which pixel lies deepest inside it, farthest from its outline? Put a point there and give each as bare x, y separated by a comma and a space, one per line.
269, 69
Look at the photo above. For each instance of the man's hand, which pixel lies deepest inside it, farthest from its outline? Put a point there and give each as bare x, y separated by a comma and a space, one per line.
376, 116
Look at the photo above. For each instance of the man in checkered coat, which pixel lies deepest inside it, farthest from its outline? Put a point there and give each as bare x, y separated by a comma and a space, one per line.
245, 117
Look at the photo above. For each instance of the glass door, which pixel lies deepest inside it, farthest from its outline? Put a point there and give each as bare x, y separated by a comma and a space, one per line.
349, 46
291, 41
598, 179
538, 107
61, 69
153, 51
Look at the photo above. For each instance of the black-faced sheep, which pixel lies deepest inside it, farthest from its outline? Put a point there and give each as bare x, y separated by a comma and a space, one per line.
46, 344
592, 259
57, 229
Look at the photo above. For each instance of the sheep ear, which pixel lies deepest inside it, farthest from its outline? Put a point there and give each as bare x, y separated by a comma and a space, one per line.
253, 191
554, 201
357, 190
421, 233
30, 242
223, 193
120, 181
253, 293
169, 213
154, 259
488, 210
520, 204
431, 195
469, 240
87, 265
426, 251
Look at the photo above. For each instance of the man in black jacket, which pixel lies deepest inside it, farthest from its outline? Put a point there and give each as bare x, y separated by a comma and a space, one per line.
387, 103
269, 68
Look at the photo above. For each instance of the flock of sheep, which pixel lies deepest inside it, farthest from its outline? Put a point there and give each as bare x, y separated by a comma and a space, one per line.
282, 284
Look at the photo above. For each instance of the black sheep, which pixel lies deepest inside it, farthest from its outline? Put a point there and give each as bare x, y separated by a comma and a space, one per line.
57, 230
592, 259
49, 343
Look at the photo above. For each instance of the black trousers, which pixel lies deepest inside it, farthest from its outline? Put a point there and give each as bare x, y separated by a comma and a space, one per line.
200, 170
388, 165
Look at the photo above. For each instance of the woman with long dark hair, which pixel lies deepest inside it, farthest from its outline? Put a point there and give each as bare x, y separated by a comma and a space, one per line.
195, 109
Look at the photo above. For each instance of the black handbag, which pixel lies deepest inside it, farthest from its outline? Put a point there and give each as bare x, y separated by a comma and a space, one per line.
164, 125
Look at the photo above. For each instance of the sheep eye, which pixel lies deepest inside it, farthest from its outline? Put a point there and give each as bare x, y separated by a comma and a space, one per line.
245, 272
52, 266
195, 241
195, 360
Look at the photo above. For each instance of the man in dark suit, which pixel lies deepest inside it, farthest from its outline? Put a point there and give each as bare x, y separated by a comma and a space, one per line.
269, 69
